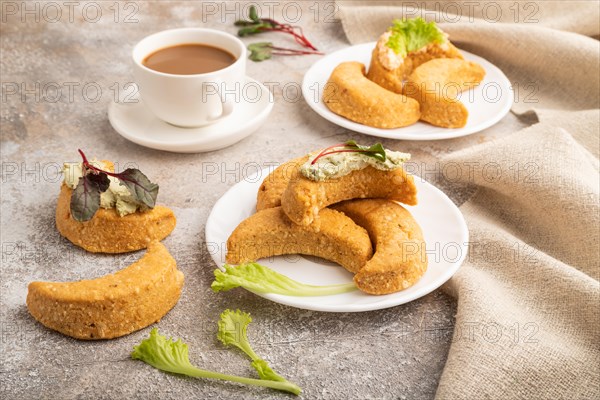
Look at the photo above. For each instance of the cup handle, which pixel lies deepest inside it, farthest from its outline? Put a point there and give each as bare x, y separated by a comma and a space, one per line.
227, 105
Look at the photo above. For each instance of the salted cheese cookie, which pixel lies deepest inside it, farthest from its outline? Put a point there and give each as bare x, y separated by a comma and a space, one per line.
269, 193
107, 232
400, 259
436, 85
393, 79
303, 198
350, 94
270, 233
113, 305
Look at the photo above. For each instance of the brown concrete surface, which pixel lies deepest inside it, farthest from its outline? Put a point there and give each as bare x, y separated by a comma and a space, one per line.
397, 353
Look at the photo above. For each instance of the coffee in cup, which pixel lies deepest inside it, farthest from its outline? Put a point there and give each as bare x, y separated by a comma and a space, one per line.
189, 59
188, 77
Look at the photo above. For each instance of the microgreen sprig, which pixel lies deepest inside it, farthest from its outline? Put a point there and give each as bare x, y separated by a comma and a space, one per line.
265, 50
258, 25
376, 151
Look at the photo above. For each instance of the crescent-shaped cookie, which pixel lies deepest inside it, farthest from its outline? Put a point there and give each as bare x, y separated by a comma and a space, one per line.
113, 305
107, 232
350, 94
400, 258
393, 80
303, 199
270, 233
269, 193
436, 85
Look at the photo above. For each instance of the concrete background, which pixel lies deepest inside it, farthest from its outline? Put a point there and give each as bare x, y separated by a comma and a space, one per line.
393, 353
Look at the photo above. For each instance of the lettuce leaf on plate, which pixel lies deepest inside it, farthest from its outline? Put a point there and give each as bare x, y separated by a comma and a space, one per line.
413, 34
261, 279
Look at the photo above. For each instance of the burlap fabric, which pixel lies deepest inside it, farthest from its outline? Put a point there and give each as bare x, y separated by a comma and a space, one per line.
527, 325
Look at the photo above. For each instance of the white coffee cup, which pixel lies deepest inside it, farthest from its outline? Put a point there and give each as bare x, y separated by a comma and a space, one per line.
190, 100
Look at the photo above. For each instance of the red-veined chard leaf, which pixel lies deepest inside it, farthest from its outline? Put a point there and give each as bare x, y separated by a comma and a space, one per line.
139, 186
85, 199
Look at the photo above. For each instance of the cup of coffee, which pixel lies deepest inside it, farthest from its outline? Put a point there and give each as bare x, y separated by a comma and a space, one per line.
184, 74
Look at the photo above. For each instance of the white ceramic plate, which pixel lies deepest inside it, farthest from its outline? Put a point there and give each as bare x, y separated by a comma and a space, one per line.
487, 103
136, 123
443, 225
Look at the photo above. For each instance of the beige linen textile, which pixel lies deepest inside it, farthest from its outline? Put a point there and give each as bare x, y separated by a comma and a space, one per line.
527, 324
548, 68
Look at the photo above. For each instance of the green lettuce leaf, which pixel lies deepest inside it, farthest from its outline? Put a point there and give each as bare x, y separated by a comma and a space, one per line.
265, 371
409, 35
172, 356
233, 327
260, 279
164, 354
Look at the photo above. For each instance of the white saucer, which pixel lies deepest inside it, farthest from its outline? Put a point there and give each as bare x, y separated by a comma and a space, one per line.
136, 123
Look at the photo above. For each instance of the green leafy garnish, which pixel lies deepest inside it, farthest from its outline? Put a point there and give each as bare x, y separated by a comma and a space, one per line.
139, 186
233, 327
265, 50
85, 199
253, 28
413, 34
260, 51
265, 371
260, 279
376, 151
253, 14
256, 25
172, 356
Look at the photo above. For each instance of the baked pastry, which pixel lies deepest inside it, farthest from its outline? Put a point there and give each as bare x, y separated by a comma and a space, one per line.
436, 85
406, 45
303, 198
118, 228
113, 305
270, 233
271, 188
400, 259
350, 94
